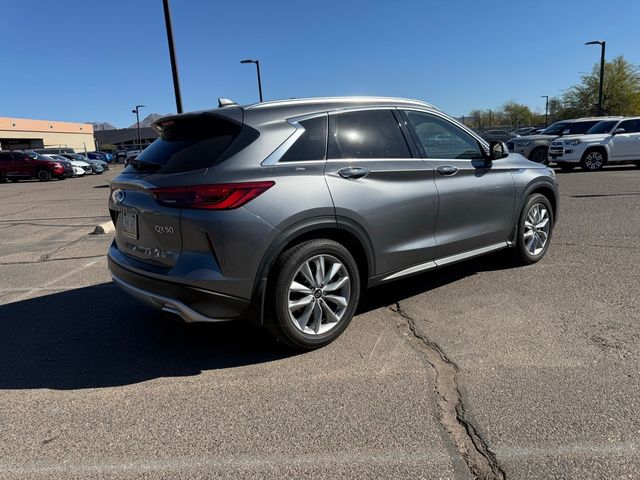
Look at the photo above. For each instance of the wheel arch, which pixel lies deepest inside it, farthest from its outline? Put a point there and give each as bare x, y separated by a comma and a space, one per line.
603, 148
343, 231
544, 188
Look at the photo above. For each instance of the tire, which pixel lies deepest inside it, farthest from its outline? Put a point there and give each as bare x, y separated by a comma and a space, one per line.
529, 248
540, 155
44, 175
566, 167
593, 160
297, 280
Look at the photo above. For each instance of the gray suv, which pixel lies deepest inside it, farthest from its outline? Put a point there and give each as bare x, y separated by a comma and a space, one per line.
284, 212
536, 147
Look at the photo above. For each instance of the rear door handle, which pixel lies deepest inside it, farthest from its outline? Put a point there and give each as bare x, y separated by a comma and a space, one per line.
353, 172
447, 170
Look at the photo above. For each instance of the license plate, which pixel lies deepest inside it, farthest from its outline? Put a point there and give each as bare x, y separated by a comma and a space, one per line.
129, 225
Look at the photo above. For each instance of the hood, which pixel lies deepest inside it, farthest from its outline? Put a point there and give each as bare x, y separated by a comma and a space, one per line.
78, 163
532, 138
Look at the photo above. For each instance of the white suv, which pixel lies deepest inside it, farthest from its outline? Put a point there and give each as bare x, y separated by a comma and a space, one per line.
610, 141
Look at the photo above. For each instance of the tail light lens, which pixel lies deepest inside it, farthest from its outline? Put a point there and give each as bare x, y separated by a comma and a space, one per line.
223, 196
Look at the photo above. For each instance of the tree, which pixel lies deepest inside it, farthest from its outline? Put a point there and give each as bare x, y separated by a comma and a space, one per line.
621, 91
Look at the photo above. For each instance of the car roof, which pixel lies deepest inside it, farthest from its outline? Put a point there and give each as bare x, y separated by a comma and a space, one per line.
587, 119
295, 107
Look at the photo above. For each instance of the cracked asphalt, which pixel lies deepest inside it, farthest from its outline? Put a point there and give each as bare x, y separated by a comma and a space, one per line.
476, 370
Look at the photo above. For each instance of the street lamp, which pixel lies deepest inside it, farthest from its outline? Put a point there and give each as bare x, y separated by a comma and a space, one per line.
257, 62
546, 109
137, 112
602, 44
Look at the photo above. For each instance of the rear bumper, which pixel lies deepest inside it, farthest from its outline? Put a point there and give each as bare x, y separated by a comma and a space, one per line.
189, 303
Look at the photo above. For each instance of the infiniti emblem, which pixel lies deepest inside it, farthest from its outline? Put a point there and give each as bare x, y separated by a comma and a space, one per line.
118, 196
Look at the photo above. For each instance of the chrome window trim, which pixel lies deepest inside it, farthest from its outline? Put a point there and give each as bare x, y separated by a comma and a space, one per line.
278, 153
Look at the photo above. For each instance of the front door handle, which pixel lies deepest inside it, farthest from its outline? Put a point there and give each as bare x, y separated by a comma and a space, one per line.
353, 172
447, 170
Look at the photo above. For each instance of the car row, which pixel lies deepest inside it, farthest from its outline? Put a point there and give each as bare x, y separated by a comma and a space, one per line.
590, 142
21, 165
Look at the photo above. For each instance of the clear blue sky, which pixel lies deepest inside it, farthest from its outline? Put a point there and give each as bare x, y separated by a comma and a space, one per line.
93, 60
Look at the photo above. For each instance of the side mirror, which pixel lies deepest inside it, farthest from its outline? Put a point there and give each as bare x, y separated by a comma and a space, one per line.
619, 130
497, 150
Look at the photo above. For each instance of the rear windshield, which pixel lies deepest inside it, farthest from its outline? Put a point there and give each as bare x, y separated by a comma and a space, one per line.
188, 144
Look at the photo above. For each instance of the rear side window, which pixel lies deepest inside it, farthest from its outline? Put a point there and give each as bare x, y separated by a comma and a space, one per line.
578, 128
366, 134
312, 144
190, 143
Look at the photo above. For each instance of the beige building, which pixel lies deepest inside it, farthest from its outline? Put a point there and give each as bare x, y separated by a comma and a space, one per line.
23, 134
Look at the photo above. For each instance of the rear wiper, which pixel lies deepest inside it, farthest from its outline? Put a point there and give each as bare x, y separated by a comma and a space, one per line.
141, 165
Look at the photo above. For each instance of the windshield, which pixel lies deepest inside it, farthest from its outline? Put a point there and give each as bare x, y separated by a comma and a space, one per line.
555, 128
603, 127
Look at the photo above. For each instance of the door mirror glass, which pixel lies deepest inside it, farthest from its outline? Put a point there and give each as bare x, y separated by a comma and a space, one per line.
498, 150
619, 130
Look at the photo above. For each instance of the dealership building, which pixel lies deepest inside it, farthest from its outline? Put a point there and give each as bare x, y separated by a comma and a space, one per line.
24, 134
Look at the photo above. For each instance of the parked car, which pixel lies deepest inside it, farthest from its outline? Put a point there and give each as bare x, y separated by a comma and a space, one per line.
97, 166
80, 168
105, 157
496, 135
522, 131
284, 212
609, 141
536, 147
19, 165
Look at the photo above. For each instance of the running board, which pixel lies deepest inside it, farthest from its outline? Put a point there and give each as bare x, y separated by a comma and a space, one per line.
440, 262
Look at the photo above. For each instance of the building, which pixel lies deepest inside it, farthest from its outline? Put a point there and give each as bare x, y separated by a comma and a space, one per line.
24, 134
126, 138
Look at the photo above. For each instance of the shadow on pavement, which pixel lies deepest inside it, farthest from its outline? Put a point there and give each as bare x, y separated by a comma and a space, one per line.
99, 337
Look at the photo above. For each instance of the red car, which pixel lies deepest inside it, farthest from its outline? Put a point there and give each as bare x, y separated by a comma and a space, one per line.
19, 166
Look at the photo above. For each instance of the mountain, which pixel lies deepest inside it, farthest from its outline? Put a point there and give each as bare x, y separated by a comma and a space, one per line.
148, 120
102, 126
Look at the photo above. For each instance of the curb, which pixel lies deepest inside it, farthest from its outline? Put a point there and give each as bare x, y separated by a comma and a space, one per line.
106, 227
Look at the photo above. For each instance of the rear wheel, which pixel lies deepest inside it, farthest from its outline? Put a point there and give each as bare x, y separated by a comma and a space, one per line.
534, 229
593, 160
44, 175
540, 155
316, 291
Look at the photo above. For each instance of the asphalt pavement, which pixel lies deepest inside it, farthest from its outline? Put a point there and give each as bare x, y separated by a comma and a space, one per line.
479, 369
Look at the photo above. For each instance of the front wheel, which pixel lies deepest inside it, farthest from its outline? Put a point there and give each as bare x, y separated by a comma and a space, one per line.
540, 155
593, 160
44, 175
316, 292
534, 229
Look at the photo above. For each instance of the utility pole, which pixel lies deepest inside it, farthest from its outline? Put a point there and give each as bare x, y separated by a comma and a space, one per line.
172, 55
602, 44
546, 109
137, 112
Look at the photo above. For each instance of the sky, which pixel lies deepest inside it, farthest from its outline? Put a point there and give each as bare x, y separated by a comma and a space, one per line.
89, 60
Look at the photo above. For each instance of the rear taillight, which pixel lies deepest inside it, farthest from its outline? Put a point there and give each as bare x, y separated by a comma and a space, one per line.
223, 196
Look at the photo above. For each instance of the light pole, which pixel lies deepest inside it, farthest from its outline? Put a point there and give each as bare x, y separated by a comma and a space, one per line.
137, 112
257, 62
172, 55
602, 44
490, 112
546, 109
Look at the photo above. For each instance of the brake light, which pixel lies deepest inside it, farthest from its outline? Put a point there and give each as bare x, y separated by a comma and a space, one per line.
223, 196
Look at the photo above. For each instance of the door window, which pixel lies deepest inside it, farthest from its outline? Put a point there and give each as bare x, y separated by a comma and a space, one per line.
630, 126
442, 139
366, 134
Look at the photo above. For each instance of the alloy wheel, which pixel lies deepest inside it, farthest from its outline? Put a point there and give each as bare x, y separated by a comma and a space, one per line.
319, 294
594, 160
536, 229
